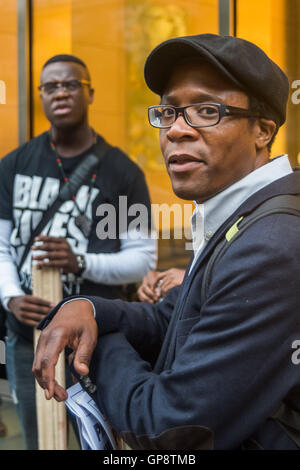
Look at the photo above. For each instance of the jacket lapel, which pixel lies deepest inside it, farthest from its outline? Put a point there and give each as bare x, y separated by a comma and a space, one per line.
287, 185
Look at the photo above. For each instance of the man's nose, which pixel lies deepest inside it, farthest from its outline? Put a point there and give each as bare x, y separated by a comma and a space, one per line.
181, 129
61, 90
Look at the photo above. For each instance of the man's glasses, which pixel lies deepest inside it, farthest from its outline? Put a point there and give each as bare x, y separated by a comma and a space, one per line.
195, 115
70, 85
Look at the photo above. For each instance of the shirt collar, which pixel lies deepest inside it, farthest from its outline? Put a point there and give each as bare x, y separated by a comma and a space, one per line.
212, 214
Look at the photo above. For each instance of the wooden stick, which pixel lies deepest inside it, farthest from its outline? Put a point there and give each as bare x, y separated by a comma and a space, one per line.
51, 415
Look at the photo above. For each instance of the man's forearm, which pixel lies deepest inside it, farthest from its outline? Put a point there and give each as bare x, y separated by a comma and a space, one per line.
130, 264
144, 325
10, 282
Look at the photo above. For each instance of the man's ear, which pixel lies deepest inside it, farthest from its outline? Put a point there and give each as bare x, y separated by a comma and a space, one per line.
265, 131
91, 95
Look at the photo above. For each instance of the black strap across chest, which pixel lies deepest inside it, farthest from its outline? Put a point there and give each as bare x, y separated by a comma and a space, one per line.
287, 417
284, 204
78, 177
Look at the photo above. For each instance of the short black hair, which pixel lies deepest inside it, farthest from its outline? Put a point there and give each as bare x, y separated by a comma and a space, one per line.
262, 108
66, 58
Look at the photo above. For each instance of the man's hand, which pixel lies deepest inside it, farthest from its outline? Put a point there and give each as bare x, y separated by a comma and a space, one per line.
58, 253
73, 325
148, 291
29, 309
157, 284
169, 279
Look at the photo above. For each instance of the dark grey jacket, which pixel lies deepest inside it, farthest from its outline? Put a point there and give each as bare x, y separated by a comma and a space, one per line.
181, 375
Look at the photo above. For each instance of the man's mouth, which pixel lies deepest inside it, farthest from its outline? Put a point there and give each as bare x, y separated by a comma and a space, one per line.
62, 109
182, 163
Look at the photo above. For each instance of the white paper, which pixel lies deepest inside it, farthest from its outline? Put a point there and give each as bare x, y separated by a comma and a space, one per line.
94, 430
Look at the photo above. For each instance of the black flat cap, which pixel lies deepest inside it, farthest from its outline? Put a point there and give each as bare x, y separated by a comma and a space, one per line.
245, 64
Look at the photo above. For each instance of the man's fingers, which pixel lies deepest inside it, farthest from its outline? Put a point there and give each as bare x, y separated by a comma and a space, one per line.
46, 357
39, 353
149, 292
32, 323
31, 311
161, 276
56, 254
35, 309
61, 263
144, 298
147, 295
47, 239
37, 318
32, 299
150, 279
60, 394
84, 353
166, 286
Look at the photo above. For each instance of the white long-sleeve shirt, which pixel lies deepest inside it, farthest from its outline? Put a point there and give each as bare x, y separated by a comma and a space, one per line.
130, 264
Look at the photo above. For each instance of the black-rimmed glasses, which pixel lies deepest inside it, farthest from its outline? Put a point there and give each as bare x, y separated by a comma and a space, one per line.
69, 85
196, 115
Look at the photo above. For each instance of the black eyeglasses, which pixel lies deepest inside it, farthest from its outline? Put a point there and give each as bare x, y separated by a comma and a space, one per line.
195, 115
70, 85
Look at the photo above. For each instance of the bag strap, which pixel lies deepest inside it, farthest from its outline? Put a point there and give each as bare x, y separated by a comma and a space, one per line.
286, 204
77, 178
286, 416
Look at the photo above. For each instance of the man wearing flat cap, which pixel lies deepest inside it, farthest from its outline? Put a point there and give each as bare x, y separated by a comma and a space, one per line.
209, 367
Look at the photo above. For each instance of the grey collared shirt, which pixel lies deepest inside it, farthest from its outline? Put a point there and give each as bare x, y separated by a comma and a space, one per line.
210, 215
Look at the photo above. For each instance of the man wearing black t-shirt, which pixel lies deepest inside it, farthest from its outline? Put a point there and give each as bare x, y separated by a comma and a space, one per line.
30, 179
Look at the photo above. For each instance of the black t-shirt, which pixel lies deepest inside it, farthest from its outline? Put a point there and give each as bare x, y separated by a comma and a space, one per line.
30, 180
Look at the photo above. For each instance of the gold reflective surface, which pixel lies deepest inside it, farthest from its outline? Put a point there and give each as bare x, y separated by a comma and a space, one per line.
8, 77
114, 38
274, 26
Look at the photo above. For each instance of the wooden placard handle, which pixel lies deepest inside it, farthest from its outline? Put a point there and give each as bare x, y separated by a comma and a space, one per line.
51, 415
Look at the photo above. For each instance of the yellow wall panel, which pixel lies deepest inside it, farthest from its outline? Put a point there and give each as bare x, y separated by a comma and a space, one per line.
114, 38
98, 38
264, 23
51, 36
9, 75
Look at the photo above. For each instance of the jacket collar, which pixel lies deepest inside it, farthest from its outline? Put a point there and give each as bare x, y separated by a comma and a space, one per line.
289, 184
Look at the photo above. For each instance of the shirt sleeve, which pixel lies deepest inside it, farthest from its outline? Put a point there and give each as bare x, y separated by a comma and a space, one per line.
6, 185
130, 264
232, 365
138, 244
10, 283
